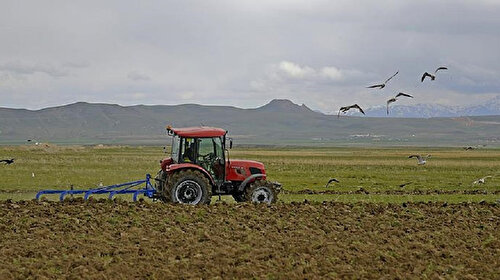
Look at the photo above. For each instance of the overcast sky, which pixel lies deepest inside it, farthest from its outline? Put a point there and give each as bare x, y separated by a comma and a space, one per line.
245, 53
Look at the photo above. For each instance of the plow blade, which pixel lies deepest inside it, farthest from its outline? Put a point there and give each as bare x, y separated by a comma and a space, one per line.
124, 188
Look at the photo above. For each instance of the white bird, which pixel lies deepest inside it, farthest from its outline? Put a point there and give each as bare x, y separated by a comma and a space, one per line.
381, 86
481, 181
332, 180
421, 160
394, 99
32, 174
347, 108
433, 77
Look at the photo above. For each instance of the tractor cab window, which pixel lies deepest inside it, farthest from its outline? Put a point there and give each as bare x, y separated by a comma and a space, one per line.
205, 150
210, 156
219, 152
176, 141
188, 150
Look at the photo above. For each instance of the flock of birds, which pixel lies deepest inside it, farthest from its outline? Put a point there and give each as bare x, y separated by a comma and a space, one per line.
421, 160
432, 77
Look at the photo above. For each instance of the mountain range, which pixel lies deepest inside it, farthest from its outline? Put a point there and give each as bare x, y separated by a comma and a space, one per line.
280, 122
491, 107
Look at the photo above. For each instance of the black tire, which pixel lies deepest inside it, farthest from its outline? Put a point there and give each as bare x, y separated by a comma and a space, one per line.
261, 191
239, 197
188, 187
160, 180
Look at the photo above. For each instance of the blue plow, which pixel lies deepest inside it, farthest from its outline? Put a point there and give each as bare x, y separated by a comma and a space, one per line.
124, 188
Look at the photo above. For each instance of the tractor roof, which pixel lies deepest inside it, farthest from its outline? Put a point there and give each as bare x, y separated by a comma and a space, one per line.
199, 131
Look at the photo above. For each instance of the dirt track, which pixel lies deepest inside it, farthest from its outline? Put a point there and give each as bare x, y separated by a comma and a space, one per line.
103, 239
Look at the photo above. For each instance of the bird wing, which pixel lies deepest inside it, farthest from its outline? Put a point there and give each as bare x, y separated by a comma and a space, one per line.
389, 102
425, 75
331, 180
484, 178
375, 86
359, 108
441, 68
391, 77
342, 109
416, 156
403, 94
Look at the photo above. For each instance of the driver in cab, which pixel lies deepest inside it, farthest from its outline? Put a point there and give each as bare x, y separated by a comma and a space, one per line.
188, 155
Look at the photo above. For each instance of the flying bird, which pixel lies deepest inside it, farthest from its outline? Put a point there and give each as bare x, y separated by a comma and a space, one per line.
330, 181
7, 161
482, 180
347, 108
381, 86
433, 77
428, 75
421, 160
394, 99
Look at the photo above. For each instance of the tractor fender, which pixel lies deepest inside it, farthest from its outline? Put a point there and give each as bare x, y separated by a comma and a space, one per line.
176, 167
249, 179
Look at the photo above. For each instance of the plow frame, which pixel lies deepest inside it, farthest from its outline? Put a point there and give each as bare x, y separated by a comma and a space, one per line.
124, 188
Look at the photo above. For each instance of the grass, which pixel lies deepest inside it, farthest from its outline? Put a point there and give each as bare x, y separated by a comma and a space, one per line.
376, 170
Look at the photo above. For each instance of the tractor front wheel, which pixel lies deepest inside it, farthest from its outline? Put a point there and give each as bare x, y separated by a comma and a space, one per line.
188, 187
261, 191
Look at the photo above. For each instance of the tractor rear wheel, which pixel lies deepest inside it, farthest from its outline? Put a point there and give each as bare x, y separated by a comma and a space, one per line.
261, 191
188, 187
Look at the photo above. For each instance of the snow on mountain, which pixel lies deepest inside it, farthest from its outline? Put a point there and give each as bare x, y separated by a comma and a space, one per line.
491, 107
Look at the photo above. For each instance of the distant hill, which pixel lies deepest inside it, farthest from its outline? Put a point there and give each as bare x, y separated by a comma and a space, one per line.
491, 107
278, 122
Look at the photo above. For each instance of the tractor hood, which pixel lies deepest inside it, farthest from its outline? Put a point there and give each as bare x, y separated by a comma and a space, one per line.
242, 163
238, 169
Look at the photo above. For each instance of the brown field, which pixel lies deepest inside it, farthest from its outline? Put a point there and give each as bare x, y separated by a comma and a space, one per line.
117, 239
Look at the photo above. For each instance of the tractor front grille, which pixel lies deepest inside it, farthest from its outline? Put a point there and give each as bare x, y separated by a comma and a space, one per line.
255, 170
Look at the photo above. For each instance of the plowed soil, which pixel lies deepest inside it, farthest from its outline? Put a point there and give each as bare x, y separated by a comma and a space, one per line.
110, 239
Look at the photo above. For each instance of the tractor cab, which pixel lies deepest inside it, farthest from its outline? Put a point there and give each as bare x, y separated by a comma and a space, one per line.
198, 167
203, 147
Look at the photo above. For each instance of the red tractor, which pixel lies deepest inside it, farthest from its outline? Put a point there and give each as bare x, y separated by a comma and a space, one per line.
199, 168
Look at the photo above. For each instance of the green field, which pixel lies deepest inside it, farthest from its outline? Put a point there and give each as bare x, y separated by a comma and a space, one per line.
365, 174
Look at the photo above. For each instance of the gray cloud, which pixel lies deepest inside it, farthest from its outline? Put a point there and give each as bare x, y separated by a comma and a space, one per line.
30, 69
244, 53
136, 76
